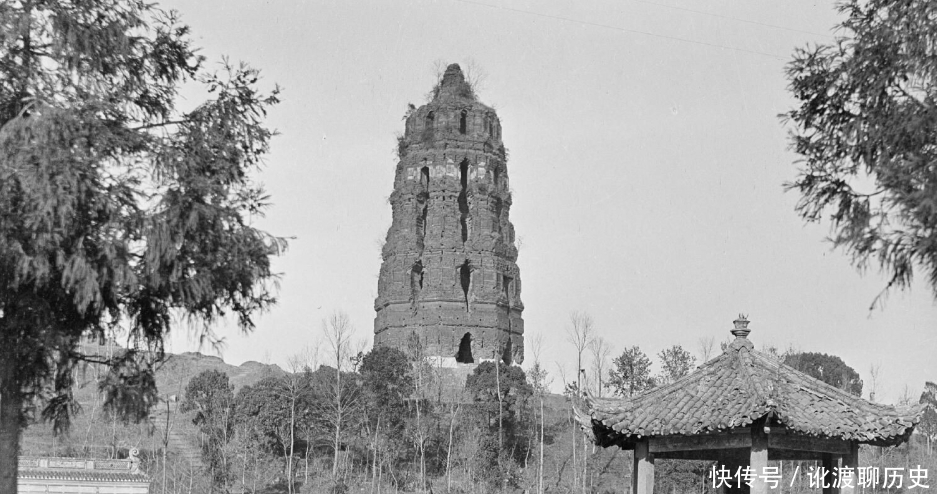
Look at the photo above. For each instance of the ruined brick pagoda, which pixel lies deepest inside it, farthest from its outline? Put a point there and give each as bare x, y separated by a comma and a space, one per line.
449, 276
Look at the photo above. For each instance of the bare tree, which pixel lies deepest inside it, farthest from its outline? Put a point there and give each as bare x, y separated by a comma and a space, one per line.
541, 382
875, 371
439, 68
771, 350
455, 405
706, 344
338, 333
570, 389
579, 334
295, 388
416, 350
475, 75
292, 384
906, 398
308, 429
600, 350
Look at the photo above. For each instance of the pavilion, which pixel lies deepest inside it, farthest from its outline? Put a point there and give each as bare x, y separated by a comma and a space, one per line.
744, 408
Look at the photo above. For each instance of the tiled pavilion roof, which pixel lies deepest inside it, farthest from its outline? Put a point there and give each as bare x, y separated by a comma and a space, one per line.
738, 387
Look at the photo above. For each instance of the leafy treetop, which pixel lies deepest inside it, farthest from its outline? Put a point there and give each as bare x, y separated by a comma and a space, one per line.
631, 372
827, 368
865, 127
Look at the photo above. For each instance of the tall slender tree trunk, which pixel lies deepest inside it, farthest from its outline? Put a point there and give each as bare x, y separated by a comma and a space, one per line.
585, 463
540, 480
377, 430
306, 465
419, 426
338, 407
223, 450
452, 411
289, 465
575, 468
380, 474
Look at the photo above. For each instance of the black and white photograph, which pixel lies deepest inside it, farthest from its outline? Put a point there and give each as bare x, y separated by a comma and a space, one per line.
468, 246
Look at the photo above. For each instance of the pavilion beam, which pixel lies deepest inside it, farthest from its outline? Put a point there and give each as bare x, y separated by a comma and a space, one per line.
791, 454
642, 473
807, 443
713, 454
701, 442
758, 460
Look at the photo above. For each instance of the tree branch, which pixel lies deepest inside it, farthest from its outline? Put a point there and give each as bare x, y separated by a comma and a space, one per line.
161, 124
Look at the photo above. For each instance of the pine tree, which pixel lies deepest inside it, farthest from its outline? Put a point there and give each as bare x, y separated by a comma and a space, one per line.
118, 211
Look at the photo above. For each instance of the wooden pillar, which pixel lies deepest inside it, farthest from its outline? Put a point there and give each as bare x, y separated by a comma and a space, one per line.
851, 460
642, 473
758, 460
829, 462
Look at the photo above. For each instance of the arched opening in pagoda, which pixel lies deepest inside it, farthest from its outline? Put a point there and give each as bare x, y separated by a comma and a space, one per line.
416, 280
507, 356
464, 355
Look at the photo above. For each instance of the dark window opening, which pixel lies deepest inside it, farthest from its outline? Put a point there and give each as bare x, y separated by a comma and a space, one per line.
464, 355
416, 280
423, 222
428, 125
463, 201
497, 174
463, 174
462, 122
507, 355
421, 226
424, 177
506, 288
465, 277
496, 226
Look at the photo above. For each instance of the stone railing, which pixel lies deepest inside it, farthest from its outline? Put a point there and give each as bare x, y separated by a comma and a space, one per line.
130, 465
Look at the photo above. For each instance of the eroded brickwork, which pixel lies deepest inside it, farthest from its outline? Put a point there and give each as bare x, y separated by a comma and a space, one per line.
449, 274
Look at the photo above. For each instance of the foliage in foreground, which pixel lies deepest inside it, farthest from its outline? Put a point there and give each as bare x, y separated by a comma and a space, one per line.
865, 126
119, 212
457, 429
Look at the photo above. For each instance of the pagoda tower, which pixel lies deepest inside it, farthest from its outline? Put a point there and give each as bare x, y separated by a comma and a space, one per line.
449, 275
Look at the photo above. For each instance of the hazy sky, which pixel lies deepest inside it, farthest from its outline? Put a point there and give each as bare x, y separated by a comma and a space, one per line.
646, 158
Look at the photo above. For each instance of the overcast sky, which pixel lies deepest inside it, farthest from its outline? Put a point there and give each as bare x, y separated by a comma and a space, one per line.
647, 162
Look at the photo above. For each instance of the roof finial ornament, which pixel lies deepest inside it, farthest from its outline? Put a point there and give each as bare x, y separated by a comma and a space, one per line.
741, 326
